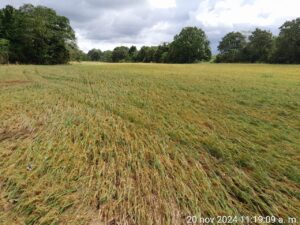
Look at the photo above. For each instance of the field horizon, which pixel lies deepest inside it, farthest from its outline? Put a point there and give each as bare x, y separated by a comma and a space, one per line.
100, 143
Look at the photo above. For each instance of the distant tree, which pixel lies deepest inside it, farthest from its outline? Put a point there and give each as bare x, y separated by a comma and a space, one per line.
165, 58
259, 48
231, 48
189, 46
142, 54
106, 56
162, 53
4, 51
287, 48
147, 54
120, 54
132, 50
133, 53
76, 54
94, 55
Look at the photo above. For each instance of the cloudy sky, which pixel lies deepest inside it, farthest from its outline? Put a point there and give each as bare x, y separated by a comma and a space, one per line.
105, 24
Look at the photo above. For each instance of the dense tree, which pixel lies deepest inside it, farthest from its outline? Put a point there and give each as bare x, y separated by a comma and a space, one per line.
36, 34
259, 48
7, 21
189, 46
10, 30
288, 43
49, 34
231, 48
147, 54
133, 53
4, 51
120, 54
162, 53
95, 55
142, 54
107, 56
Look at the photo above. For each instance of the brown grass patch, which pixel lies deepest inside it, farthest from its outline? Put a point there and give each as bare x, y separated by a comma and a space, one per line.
14, 82
21, 133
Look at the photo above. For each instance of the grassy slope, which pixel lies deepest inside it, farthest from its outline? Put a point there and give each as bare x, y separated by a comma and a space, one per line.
148, 144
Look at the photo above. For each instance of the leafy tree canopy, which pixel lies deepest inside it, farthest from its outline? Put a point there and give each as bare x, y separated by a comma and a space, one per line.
95, 54
120, 54
231, 47
147, 54
4, 50
259, 48
37, 34
107, 56
288, 43
189, 46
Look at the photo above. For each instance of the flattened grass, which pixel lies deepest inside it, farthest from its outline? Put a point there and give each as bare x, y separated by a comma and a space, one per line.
148, 144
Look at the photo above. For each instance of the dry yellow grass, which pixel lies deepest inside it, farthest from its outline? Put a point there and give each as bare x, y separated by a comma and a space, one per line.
148, 144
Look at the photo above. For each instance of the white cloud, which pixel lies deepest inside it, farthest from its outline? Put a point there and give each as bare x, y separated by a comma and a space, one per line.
228, 13
163, 4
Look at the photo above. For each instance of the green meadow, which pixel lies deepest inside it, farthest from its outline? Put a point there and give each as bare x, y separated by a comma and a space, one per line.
148, 144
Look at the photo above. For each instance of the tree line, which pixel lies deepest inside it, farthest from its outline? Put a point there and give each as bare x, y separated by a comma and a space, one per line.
262, 46
192, 45
38, 35
189, 46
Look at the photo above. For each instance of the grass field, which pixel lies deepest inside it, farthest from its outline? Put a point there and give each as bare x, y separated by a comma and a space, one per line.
148, 144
